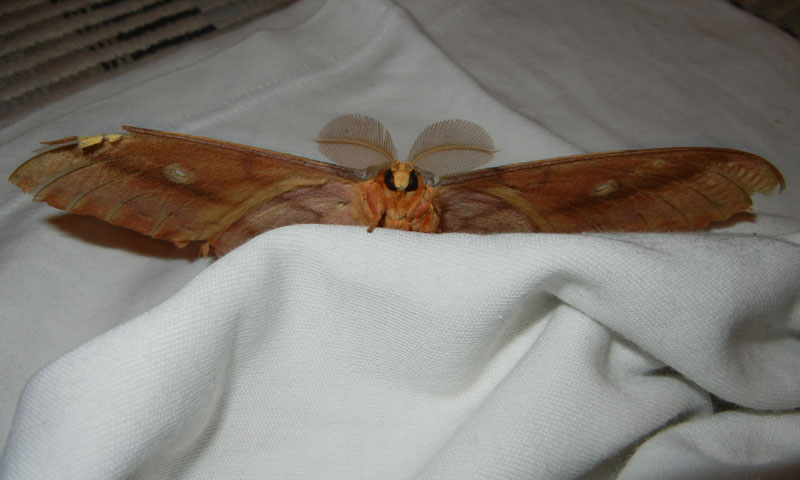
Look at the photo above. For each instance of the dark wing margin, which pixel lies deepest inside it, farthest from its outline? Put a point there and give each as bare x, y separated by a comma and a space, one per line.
181, 188
666, 189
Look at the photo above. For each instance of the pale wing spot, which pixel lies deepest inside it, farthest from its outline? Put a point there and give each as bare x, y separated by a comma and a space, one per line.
658, 162
605, 189
114, 137
178, 174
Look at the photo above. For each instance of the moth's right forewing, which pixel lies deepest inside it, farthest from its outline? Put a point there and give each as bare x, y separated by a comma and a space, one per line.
666, 189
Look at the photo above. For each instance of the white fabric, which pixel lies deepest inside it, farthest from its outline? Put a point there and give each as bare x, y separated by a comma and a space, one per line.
327, 352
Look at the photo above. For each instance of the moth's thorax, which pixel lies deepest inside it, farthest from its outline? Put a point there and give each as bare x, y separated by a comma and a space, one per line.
391, 207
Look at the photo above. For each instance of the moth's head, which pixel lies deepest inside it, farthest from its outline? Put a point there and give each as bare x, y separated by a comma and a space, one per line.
401, 177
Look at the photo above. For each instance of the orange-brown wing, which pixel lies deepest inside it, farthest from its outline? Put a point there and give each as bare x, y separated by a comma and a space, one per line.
665, 189
183, 188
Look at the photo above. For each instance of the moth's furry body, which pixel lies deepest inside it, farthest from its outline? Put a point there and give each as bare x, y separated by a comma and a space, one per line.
414, 210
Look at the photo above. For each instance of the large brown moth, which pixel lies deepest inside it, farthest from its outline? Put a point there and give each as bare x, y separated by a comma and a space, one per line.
184, 188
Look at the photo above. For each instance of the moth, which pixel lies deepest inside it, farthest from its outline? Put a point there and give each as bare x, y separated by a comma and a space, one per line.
184, 188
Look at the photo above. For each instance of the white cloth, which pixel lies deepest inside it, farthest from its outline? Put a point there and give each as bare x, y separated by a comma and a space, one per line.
327, 352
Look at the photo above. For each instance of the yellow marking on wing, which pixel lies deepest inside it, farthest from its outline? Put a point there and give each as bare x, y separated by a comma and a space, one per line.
90, 140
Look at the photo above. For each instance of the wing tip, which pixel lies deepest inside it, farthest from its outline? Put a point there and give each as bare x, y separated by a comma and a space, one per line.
774, 176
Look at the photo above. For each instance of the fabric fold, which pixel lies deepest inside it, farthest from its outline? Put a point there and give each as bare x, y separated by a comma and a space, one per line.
558, 350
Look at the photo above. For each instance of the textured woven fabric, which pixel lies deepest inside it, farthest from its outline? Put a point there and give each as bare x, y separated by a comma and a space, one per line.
515, 357
328, 352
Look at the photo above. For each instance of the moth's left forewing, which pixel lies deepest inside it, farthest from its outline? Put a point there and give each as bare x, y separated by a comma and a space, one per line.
639, 190
172, 186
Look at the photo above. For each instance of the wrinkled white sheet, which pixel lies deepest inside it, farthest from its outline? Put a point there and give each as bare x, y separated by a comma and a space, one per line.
327, 352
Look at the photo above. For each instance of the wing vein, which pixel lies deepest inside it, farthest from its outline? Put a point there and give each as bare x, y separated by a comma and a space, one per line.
708, 199
731, 181
114, 211
157, 227
97, 187
680, 212
66, 174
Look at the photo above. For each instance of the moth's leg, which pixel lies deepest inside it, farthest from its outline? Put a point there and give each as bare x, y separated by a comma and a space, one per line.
372, 204
375, 222
424, 217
